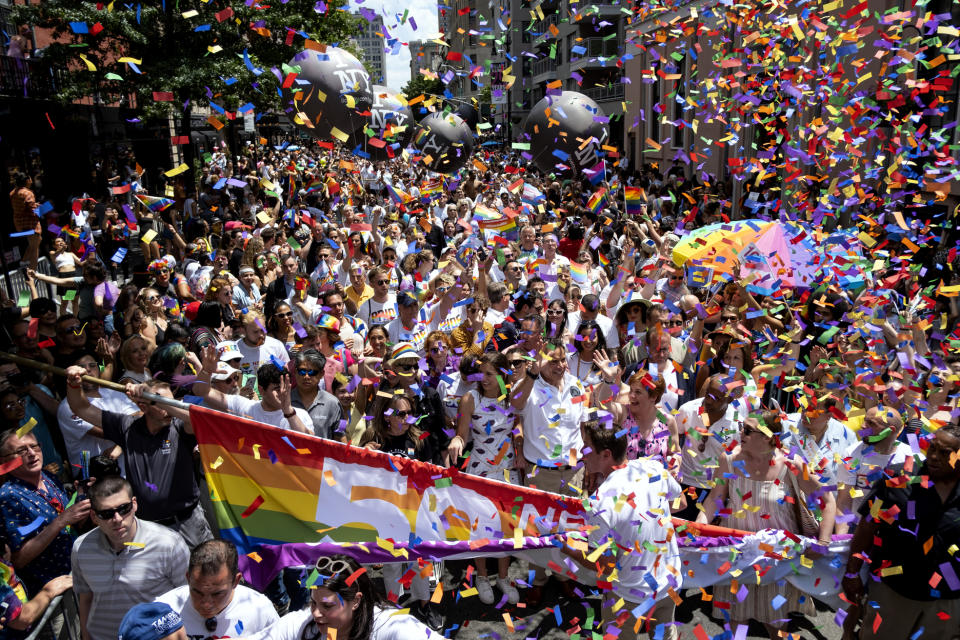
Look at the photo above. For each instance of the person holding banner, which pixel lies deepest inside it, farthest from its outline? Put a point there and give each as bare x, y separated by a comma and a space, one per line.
344, 605
648, 574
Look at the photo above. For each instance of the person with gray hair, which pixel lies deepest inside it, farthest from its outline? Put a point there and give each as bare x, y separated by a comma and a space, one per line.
213, 603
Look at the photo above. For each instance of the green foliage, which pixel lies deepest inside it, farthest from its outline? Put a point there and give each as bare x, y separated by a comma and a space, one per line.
421, 85
177, 58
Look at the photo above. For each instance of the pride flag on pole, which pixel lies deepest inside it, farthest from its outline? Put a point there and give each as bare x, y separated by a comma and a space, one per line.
633, 197
503, 225
154, 203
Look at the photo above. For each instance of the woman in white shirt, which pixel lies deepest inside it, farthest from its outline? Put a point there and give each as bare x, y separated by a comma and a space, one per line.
344, 605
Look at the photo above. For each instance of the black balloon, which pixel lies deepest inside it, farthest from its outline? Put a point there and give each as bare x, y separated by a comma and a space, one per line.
338, 95
390, 120
446, 140
552, 145
469, 114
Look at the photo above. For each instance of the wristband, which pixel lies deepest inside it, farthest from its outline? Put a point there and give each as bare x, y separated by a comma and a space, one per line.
290, 415
75, 386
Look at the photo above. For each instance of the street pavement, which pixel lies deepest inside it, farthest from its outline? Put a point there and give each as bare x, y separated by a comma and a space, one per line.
557, 616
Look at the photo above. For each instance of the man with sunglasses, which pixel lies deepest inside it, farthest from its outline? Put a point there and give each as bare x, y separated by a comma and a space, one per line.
124, 562
307, 394
381, 308
213, 603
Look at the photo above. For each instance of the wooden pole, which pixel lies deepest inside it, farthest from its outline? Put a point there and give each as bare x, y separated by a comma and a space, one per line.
116, 386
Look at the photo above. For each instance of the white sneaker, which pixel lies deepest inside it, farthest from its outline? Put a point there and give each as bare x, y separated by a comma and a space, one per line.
484, 590
513, 596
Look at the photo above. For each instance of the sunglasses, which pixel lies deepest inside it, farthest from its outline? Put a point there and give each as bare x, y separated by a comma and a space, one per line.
308, 372
406, 368
438, 349
555, 312
107, 514
151, 298
382, 281
288, 314
331, 567
401, 414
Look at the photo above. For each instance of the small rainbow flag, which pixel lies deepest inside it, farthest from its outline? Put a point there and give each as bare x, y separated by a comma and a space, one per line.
155, 203
578, 273
604, 261
597, 200
633, 197
431, 187
397, 195
501, 225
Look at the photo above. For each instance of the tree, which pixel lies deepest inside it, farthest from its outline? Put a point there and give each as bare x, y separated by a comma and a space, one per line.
422, 85
171, 54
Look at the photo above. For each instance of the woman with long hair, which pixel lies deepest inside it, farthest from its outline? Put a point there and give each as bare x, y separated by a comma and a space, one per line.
344, 604
755, 497
281, 325
394, 431
486, 418
556, 326
588, 341
155, 317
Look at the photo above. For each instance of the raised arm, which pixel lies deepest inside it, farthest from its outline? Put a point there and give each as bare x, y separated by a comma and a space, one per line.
60, 282
202, 387
77, 399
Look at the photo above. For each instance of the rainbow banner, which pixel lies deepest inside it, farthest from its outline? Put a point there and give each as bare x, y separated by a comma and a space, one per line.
154, 203
286, 498
596, 201
633, 198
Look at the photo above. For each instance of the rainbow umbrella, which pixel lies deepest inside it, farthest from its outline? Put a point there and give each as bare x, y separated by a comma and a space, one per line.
760, 249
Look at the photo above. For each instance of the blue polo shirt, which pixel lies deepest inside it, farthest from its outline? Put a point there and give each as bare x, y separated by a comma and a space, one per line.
25, 511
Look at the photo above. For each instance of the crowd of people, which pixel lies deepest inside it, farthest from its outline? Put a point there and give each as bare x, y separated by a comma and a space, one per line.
559, 346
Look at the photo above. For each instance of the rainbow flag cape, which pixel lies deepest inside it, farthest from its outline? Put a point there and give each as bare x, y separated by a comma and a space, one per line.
287, 498
154, 203
597, 200
633, 197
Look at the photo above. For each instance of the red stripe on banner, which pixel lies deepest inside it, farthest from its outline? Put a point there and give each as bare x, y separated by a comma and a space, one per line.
253, 507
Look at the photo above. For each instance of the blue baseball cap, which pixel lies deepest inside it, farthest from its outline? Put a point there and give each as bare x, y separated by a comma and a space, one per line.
149, 621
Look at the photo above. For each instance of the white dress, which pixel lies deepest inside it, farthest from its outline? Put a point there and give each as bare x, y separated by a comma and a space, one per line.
491, 427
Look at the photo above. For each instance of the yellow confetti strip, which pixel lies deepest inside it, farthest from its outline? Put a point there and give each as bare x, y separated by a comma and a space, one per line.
216, 463
27, 427
253, 555
137, 545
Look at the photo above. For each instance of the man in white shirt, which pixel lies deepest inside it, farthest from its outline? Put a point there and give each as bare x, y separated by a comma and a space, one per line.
590, 310
868, 460
213, 603
256, 347
631, 510
708, 426
500, 300
79, 435
275, 387
382, 307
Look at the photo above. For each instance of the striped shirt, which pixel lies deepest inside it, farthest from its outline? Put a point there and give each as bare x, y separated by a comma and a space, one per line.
154, 563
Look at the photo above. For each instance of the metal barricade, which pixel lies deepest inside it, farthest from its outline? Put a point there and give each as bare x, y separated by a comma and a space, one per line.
61, 620
15, 281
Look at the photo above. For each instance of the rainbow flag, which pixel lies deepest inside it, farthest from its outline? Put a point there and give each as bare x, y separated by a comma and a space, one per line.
287, 499
604, 260
431, 187
397, 195
633, 197
501, 225
578, 273
154, 203
597, 200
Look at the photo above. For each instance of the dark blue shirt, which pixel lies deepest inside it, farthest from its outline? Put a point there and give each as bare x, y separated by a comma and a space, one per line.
26, 511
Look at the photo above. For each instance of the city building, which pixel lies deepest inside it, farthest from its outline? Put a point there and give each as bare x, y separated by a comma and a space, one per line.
721, 103
425, 54
372, 41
